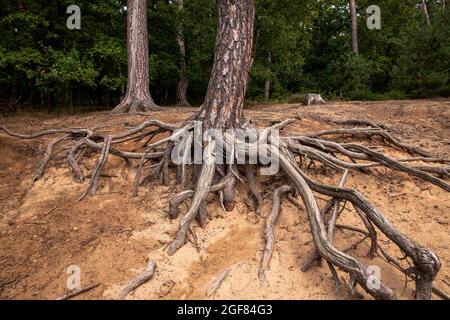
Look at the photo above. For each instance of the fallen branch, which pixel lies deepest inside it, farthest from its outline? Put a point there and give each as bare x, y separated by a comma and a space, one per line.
139, 280
218, 282
77, 292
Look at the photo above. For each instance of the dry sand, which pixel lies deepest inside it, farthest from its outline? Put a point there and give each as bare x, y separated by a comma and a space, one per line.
43, 229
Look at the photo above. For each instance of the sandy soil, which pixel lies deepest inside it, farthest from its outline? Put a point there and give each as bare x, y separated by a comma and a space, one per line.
43, 229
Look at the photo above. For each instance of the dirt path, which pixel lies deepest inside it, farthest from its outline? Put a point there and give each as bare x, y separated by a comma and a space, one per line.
43, 229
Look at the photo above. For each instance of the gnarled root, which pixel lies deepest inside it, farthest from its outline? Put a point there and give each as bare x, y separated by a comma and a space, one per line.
201, 192
426, 263
131, 105
357, 270
212, 176
269, 232
253, 190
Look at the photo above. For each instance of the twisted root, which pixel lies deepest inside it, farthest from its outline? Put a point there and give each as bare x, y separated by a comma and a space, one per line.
314, 147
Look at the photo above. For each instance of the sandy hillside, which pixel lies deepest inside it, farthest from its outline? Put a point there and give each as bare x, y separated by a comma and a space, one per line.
43, 229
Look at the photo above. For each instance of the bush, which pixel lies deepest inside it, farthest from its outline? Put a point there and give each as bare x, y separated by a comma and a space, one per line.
423, 66
295, 98
352, 75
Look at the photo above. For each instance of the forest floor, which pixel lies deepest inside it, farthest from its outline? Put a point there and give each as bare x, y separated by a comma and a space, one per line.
43, 229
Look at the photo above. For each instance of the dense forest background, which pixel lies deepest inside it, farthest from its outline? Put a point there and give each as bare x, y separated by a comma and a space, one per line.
300, 46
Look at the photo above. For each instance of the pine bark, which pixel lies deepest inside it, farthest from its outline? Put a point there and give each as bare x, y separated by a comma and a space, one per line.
224, 102
354, 26
182, 84
137, 96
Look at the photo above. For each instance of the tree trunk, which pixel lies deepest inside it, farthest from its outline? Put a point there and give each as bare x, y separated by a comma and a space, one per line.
354, 26
224, 102
137, 96
425, 10
267, 82
182, 82
443, 5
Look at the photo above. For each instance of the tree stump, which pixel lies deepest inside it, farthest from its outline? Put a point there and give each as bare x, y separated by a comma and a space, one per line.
312, 99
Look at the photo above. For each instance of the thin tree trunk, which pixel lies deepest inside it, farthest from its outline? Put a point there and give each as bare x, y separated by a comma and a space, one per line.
182, 82
224, 101
354, 26
122, 87
14, 87
267, 81
443, 5
137, 96
425, 10
21, 6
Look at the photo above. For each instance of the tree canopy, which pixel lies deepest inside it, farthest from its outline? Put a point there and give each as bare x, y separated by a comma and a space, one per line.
45, 64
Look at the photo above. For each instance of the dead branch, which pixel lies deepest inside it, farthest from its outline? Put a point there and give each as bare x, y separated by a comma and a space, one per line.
139, 280
77, 292
218, 282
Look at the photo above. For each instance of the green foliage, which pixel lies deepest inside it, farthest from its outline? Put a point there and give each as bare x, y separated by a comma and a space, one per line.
199, 25
67, 67
164, 52
281, 34
423, 65
351, 76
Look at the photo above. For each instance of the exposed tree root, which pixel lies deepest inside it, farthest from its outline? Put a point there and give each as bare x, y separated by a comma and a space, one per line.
77, 292
269, 233
137, 281
130, 105
47, 156
218, 281
294, 153
252, 187
202, 189
393, 261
